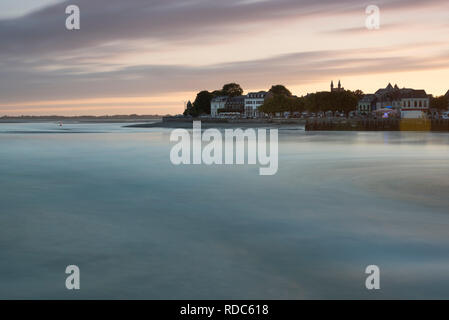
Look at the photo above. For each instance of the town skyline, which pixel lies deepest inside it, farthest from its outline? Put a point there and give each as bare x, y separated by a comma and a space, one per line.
149, 57
193, 94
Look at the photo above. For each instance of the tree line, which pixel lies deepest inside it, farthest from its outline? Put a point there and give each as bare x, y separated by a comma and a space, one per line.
282, 100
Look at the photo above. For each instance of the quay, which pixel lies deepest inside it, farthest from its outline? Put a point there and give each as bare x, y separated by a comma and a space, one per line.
377, 125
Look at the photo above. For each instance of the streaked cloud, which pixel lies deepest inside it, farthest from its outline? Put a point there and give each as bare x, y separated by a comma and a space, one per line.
141, 48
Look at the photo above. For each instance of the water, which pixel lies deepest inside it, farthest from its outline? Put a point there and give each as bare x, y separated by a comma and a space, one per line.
106, 198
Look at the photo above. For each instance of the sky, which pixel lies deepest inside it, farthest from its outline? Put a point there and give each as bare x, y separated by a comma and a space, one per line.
151, 56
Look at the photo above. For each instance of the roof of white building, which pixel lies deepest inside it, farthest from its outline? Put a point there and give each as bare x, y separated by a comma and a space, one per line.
260, 94
220, 99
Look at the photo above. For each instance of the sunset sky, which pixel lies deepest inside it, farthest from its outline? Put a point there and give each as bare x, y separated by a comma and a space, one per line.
150, 56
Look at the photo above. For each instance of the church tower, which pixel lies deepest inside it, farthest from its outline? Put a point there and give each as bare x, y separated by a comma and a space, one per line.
338, 89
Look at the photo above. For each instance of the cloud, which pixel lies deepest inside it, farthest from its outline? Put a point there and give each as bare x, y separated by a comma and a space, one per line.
105, 21
140, 80
41, 60
362, 30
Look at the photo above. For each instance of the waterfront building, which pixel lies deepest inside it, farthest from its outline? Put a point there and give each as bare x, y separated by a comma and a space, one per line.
235, 105
253, 101
415, 104
367, 104
410, 103
216, 104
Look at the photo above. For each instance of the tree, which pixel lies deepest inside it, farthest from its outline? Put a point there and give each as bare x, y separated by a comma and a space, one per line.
359, 94
202, 102
201, 105
280, 90
281, 100
331, 101
299, 105
188, 109
282, 103
232, 90
439, 103
217, 93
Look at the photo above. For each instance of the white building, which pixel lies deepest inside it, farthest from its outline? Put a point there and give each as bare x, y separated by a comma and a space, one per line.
415, 104
253, 101
216, 104
411, 103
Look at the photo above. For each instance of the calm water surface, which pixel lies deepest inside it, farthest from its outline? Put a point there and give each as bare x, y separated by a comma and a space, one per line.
107, 198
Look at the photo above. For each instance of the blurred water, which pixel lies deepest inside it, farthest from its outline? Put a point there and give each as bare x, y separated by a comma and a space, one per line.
109, 201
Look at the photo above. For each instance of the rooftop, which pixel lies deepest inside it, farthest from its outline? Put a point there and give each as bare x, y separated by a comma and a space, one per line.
220, 99
391, 92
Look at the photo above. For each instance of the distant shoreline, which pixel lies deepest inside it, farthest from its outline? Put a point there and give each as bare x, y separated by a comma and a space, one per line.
81, 119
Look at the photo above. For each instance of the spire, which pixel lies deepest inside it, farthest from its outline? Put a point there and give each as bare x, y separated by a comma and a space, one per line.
339, 84
332, 85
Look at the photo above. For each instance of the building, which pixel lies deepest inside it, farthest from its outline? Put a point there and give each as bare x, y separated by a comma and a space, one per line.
234, 105
253, 101
216, 104
247, 105
367, 104
409, 102
338, 89
414, 104
388, 98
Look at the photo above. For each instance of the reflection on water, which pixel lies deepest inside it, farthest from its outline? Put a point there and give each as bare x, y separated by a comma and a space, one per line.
110, 201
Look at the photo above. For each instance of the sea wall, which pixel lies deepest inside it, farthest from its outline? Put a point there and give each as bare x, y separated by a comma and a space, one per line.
246, 121
377, 125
